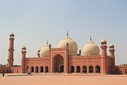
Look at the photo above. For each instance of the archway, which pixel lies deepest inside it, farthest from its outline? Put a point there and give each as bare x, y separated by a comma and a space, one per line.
36, 69
78, 69
32, 69
72, 69
90, 69
41, 69
84, 69
58, 63
97, 69
46, 69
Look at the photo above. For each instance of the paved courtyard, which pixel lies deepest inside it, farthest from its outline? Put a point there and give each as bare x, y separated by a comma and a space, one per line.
63, 79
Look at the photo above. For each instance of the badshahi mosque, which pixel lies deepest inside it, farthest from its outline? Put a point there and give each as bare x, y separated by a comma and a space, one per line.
64, 59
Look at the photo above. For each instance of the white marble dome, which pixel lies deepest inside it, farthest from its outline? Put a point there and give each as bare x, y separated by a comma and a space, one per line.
44, 52
90, 49
73, 47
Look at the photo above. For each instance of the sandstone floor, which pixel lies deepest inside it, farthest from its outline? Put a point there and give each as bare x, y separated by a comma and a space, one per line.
64, 79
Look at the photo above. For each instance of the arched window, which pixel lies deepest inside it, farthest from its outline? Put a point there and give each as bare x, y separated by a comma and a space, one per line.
90, 69
84, 69
97, 69
41, 69
72, 69
78, 69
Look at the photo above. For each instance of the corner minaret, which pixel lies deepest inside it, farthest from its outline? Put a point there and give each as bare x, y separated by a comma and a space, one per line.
112, 55
104, 65
23, 62
11, 51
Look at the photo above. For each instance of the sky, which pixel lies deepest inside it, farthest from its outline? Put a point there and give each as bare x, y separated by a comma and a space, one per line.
35, 21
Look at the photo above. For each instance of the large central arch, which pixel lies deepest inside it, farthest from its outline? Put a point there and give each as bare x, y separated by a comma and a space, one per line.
58, 63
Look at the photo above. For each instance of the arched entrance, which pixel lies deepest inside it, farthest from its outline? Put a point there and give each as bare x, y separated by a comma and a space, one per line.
84, 69
58, 63
72, 69
32, 69
90, 69
46, 69
97, 69
41, 69
78, 69
36, 69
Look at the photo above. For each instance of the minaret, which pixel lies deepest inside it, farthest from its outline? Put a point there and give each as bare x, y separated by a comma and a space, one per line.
112, 55
11, 51
23, 62
104, 67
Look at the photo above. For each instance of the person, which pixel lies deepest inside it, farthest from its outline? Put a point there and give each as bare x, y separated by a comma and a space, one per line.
3, 74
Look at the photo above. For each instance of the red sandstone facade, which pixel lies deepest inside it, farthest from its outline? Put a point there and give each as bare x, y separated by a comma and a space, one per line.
59, 60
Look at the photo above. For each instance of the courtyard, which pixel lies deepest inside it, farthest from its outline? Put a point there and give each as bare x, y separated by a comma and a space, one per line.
62, 79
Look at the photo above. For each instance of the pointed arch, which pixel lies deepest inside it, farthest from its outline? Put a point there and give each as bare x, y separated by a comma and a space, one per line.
36, 69
58, 63
78, 69
97, 69
46, 69
91, 69
72, 69
84, 69
32, 69
41, 69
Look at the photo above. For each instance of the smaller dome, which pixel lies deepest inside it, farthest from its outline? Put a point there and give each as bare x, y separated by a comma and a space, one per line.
12, 34
24, 48
111, 46
90, 49
103, 41
44, 52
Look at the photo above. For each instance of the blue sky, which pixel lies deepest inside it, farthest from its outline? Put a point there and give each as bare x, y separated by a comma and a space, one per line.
35, 21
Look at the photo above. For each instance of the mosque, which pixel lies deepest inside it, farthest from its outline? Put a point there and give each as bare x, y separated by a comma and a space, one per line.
64, 59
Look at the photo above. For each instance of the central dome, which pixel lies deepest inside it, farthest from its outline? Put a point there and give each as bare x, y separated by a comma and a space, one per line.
90, 49
72, 45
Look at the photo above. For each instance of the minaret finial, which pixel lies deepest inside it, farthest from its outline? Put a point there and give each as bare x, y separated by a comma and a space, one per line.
90, 38
67, 32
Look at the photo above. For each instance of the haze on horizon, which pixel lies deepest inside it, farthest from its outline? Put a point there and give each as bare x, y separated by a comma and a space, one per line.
35, 21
